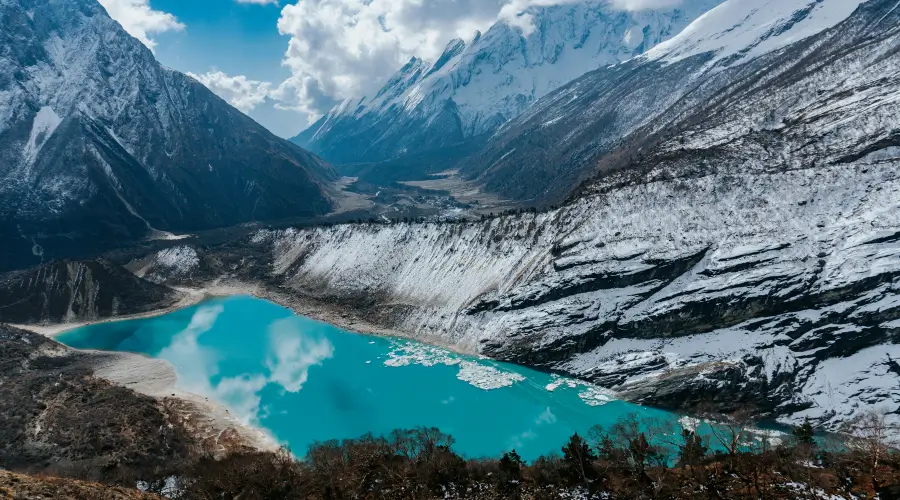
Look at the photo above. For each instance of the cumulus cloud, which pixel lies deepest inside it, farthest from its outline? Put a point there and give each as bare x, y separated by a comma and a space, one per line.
292, 353
516, 12
347, 48
343, 49
240, 91
242, 395
140, 20
197, 366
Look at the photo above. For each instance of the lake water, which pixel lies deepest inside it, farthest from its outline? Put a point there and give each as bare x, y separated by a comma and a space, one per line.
306, 381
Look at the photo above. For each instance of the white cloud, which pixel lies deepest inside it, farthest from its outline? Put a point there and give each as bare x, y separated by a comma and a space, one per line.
645, 4
197, 366
242, 395
547, 417
348, 48
343, 49
239, 91
292, 353
516, 12
140, 20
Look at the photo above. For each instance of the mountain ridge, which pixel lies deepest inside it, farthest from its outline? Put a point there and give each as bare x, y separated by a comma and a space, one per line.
474, 87
101, 144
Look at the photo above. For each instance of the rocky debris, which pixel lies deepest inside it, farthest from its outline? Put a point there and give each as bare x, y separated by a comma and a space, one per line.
69, 291
25, 487
58, 418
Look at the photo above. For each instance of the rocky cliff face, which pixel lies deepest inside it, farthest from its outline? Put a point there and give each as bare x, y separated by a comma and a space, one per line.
78, 291
100, 144
473, 88
743, 249
779, 289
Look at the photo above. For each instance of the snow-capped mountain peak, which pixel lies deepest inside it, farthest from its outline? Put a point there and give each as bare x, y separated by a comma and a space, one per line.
100, 144
473, 88
743, 29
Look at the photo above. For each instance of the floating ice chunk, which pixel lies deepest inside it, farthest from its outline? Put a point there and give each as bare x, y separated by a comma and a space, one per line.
595, 396
486, 377
411, 353
689, 423
480, 375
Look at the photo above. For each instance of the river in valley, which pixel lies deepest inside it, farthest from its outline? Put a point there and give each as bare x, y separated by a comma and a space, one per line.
305, 381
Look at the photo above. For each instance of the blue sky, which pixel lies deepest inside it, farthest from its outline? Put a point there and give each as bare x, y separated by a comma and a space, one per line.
236, 39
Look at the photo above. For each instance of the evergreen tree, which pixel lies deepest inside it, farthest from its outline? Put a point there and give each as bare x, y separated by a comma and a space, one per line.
578, 458
805, 434
510, 466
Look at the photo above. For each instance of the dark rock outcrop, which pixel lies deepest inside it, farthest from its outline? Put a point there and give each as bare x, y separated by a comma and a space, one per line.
76, 291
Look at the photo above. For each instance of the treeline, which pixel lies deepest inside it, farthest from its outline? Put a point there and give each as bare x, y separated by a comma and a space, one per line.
634, 459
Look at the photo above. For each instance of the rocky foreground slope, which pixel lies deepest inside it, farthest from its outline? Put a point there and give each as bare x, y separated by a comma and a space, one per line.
747, 253
58, 417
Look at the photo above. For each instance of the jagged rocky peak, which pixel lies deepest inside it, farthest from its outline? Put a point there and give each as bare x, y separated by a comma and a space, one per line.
96, 135
474, 87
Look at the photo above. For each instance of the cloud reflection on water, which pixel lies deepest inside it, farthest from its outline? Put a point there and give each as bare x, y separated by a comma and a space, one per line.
291, 353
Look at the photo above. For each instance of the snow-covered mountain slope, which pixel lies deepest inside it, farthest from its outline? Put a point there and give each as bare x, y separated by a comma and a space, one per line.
605, 120
475, 87
100, 144
738, 31
746, 251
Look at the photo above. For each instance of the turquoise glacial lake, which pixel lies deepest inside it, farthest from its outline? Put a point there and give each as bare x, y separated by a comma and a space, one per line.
305, 381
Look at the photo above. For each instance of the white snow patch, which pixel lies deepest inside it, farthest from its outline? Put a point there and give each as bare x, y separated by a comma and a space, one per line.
181, 259
749, 29
45, 122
